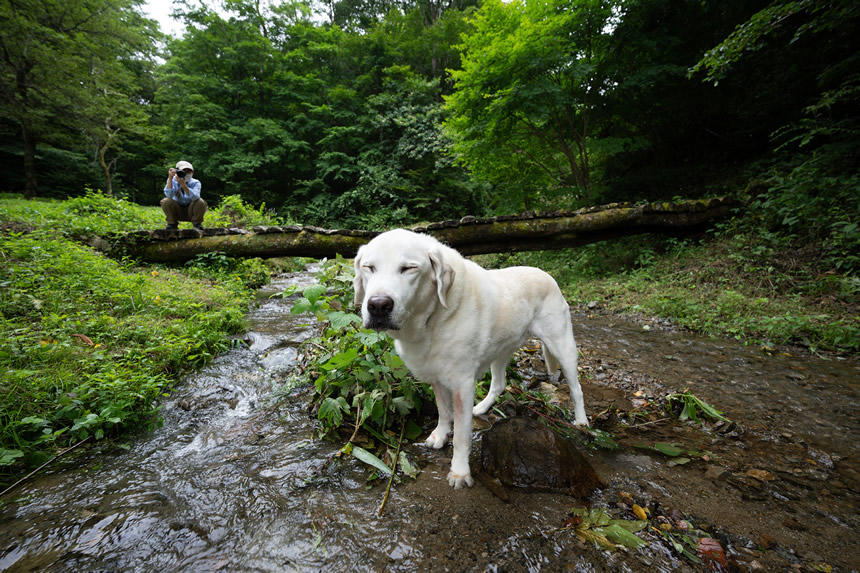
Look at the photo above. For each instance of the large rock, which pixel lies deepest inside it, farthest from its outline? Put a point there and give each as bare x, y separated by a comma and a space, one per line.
521, 452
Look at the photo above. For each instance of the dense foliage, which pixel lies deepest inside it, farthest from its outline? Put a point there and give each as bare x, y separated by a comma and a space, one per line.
360, 382
336, 116
90, 344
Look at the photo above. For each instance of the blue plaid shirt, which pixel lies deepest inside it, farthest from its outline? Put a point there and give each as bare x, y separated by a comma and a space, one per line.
173, 191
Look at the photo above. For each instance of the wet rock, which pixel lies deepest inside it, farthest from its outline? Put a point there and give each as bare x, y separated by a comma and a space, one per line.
792, 523
750, 488
760, 475
551, 392
521, 452
717, 473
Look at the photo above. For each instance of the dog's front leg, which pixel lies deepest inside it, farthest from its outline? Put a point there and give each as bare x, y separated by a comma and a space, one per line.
463, 397
439, 437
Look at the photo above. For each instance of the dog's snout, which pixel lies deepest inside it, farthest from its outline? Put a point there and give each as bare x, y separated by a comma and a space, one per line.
380, 305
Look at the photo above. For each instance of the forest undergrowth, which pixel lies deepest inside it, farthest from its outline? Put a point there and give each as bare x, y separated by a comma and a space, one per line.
91, 344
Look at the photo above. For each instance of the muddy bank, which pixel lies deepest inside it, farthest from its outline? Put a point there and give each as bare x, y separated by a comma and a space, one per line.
233, 481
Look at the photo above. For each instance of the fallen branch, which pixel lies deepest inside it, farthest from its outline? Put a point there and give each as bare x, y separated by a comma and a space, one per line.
393, 470
470, 235
41, 467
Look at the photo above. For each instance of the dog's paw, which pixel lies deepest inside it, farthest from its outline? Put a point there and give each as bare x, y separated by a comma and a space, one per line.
581, 422
457, 481
437, 440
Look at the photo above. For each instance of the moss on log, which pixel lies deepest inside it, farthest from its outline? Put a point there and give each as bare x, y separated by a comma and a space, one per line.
469, 235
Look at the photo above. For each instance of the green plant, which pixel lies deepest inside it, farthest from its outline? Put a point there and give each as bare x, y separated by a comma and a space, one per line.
360, 383
686, 406
596, 526
90, 344
234, 212
92, 213
251, 273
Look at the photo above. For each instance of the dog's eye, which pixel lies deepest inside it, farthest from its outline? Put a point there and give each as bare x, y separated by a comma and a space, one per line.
370, 268
407, 268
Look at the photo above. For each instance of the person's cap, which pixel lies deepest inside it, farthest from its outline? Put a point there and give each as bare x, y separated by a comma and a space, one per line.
184, 165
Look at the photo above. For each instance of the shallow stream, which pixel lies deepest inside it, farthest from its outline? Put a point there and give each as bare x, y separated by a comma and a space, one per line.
235, 481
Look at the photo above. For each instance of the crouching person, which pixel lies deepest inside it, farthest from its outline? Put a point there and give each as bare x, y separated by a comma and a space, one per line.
182, 200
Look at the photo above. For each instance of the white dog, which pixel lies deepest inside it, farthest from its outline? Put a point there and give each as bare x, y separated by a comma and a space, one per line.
452, 320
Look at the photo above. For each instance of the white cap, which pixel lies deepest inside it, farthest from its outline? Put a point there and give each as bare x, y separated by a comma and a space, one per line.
184, 165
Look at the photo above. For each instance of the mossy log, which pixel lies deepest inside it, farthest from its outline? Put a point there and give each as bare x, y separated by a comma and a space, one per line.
469, 235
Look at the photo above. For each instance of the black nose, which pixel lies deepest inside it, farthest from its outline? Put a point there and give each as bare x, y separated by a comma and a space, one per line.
380, 306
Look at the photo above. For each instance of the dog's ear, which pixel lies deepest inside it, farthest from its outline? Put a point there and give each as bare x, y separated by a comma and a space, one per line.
357, 281
443, 274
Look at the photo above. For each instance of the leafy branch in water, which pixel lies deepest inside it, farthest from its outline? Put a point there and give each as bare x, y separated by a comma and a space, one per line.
595, 525
686, 406
362, 389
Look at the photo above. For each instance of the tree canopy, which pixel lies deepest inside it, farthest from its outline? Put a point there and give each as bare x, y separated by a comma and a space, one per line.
388, 112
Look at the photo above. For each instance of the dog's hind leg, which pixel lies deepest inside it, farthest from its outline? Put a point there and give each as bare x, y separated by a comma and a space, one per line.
556, 333
497, 386
553, 368
563, 349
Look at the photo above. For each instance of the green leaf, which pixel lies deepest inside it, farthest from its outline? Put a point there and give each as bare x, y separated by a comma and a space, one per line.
85, 422
340, 320
413, 430
403, 405
314, 292
301, 306
331, 410
8, 457
668, 449
621, 536
33, 420
602, 439
631, 525
370, 459
340, 360
407, 467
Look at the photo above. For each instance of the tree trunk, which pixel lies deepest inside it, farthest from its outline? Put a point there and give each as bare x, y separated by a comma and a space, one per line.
102, 152
31, 185
469, 235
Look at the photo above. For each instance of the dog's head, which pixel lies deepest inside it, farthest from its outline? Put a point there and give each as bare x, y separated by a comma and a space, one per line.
400, 274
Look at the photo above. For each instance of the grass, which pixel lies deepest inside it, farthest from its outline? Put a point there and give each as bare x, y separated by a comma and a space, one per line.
747, 285
95, 213
90, 344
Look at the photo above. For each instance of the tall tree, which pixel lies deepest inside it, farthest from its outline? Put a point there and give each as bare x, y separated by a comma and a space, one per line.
55, 56
523, 101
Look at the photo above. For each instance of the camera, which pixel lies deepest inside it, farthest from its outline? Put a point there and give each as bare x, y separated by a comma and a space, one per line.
180, 173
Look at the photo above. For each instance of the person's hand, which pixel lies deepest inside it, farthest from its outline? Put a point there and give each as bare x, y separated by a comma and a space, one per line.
171, 172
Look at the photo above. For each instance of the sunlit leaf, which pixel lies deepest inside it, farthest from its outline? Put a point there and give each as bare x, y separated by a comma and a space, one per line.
370, 459
314, 292
621, 536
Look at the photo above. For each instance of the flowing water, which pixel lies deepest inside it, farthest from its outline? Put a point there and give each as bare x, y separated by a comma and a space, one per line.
234, 479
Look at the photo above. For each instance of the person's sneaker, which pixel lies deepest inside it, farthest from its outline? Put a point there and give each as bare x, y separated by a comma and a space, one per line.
170, 227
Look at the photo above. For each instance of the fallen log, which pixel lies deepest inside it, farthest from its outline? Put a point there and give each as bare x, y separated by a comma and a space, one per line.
469, 235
